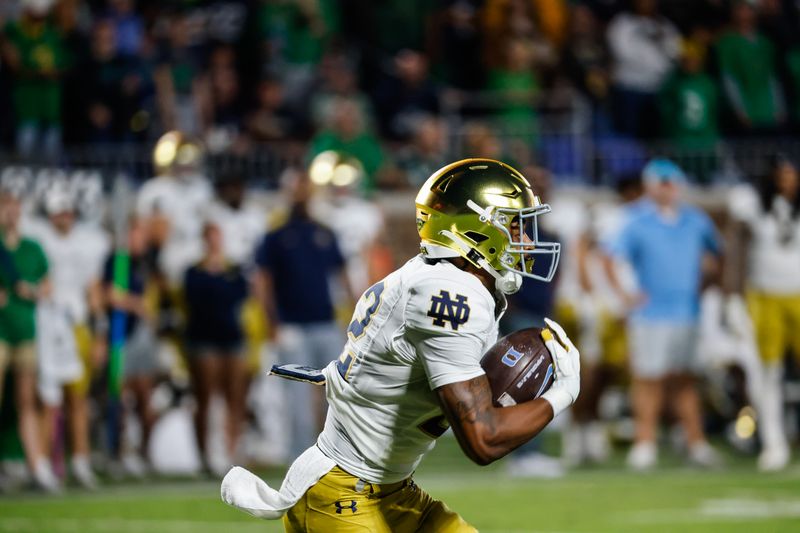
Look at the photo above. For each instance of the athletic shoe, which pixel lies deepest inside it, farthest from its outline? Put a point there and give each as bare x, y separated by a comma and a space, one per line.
773, 459
573, 451
44, 478
643, 456
596, 442
704, 456
536, 465
82, 471
134, 466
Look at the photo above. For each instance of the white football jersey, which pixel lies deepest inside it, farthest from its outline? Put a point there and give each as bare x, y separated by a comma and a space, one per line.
774, 250
184, 202
75, 259
424, 326
357, 224
241, 229
569, 221
607, 222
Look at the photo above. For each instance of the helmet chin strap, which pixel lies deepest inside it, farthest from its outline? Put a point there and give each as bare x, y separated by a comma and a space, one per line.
506, 282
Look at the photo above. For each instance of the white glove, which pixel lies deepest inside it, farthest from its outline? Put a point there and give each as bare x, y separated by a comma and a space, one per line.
567, 361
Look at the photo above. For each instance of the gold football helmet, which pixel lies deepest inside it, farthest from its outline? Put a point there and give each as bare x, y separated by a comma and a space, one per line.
486, 212
177, 153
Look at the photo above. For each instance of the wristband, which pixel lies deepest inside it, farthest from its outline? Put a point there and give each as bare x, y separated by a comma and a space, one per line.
558, 398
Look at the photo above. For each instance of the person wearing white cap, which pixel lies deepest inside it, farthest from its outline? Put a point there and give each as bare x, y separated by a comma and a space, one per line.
75, 254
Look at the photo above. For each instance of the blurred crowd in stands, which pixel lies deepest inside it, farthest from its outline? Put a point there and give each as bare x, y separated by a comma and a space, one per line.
380, 79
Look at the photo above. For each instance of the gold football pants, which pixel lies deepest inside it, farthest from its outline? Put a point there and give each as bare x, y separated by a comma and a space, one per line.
776, 319
341, 503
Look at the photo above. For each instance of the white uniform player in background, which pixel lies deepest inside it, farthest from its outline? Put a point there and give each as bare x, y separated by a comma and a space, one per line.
411, 366
242, 223
173, 203
772, 219
601, 320
356, 221
76, 253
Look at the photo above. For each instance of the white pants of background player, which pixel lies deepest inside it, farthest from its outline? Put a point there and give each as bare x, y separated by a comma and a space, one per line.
313, 345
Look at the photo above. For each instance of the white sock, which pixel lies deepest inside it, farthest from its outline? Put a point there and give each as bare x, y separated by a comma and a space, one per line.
771, 405
80, 461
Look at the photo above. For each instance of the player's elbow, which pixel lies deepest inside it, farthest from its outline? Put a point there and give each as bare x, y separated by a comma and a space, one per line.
482, 452
478, 455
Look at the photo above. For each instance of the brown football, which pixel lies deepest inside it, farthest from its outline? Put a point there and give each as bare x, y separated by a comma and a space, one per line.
519, 367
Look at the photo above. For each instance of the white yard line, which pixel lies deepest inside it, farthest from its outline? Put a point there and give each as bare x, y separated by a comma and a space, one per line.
719, 510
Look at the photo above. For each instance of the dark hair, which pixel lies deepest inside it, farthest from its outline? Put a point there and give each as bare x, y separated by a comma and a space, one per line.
768, 189
628, 181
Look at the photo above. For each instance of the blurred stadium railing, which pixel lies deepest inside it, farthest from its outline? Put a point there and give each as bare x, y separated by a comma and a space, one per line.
573, 159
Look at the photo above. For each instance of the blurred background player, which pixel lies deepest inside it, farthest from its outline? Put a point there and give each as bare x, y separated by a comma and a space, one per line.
23, 282
172, 204
76, 253
297, 263
666, 242
602, 317
215, 342
771, 217
357, 222
241, 221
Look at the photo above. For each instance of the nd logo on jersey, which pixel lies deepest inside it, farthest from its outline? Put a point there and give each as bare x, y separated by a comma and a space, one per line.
445, 309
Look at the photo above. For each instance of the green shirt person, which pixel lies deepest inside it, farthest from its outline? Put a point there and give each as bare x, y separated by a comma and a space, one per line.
346, 133
689, 103
747, 65
23, 281
516, 87
297, 32
793, 68
23, 266
35, 51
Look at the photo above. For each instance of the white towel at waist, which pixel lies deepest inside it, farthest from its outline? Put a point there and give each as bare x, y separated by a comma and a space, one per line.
246, 491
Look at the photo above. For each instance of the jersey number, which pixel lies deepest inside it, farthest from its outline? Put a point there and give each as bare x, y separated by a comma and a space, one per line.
357, 327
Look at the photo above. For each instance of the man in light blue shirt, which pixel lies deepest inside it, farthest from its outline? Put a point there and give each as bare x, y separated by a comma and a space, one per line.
666, 242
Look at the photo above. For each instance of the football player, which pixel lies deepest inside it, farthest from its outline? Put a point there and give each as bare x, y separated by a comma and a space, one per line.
356, 221
771, 217
75, 253
172, 204
411, 366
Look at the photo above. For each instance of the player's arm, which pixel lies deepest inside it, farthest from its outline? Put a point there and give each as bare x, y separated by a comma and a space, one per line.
487, 433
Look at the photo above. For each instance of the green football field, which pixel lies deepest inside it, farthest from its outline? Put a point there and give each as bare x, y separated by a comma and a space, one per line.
673, 498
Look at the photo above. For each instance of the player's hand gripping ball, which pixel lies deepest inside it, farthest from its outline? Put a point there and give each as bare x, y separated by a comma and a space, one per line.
534, 363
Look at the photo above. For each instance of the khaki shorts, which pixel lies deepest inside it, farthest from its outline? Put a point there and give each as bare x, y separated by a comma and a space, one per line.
341, 503
21, 355
659, 349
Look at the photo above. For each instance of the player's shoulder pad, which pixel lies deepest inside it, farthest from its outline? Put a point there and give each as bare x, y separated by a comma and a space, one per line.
446, 300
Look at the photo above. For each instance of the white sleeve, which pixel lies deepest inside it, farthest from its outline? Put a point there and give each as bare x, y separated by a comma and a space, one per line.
743, 204
448, 324
145, 200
